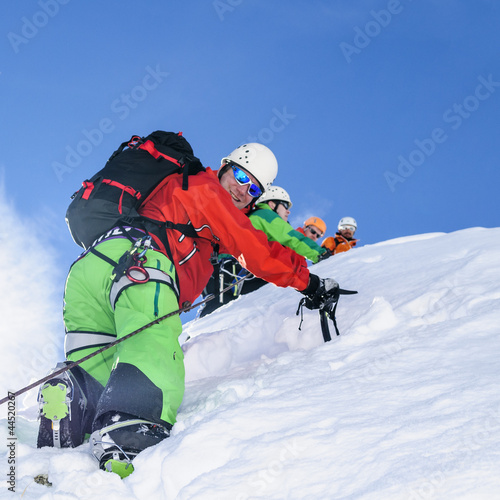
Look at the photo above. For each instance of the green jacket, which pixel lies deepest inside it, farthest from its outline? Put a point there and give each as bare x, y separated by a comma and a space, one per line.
276, 229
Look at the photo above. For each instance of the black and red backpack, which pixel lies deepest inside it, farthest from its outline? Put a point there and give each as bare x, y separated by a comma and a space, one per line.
113, 195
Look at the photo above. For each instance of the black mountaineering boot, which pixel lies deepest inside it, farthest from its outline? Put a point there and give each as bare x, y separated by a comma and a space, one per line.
121, 439
67, 407
61, 404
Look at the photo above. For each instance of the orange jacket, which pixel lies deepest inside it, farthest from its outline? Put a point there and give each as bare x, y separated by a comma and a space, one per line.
209, 208
338, 243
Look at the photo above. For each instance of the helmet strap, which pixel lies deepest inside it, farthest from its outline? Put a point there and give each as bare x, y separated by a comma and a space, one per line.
276, 205
222, 170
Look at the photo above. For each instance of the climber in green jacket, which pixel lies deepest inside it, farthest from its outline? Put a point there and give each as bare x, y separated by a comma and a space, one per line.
270, 216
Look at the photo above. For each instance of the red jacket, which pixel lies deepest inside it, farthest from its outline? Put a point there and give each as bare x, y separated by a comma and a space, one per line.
209, 208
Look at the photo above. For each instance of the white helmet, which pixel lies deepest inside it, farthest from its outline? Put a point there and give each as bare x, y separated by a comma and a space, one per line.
347, 221
276, 193
256, 159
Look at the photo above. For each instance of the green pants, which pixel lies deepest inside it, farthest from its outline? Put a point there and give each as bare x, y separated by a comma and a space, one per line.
144, 375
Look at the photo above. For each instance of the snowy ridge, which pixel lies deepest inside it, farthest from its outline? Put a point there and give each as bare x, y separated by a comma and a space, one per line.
403, 405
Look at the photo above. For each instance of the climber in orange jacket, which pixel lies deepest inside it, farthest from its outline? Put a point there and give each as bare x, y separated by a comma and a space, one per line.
343, 239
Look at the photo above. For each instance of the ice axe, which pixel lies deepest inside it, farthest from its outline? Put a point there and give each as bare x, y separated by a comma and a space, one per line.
327, 310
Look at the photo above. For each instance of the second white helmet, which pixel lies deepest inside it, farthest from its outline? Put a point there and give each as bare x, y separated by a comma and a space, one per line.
275, 193
347, 221
256, 159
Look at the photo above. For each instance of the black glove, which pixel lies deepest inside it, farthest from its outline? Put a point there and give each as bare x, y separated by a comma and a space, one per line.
320, 291
327, 253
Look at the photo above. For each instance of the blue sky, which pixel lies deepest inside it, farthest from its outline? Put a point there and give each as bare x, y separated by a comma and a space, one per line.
386, 110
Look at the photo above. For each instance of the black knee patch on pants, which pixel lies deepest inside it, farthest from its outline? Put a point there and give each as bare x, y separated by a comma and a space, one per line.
129, 391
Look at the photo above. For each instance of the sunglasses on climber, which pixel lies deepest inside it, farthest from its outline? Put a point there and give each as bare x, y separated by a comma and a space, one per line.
313, 232
243, 179
285, 204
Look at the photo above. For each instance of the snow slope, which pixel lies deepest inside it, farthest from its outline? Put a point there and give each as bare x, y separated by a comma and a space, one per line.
405, 404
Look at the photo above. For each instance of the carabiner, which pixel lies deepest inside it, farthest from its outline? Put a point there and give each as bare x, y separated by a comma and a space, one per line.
140, 275
137, 274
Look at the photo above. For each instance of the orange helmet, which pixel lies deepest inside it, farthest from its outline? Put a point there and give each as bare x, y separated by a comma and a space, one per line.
316, 221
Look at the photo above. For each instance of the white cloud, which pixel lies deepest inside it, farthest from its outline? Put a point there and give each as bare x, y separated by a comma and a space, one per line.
30, 301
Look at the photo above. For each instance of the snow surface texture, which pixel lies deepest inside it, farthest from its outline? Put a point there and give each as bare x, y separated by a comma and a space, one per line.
405, 404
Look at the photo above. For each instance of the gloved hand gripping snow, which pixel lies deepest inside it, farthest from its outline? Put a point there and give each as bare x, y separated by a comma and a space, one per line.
320, 291
325, 255
323, 294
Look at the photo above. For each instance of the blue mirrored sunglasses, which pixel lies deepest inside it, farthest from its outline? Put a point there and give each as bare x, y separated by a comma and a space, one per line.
243, 179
